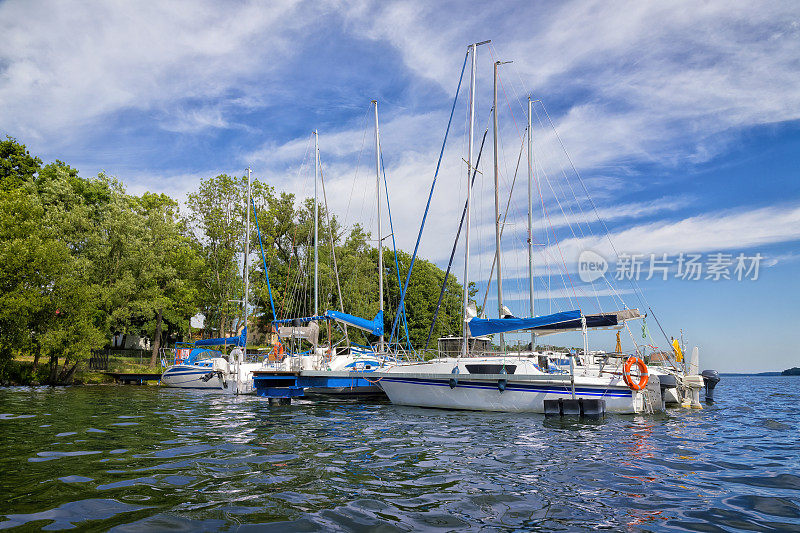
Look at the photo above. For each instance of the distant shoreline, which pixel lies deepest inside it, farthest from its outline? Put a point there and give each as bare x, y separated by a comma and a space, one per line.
788, 372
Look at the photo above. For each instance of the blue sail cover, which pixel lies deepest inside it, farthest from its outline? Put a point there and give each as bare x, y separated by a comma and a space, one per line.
374, 326
241, 340
487, 326
300, 321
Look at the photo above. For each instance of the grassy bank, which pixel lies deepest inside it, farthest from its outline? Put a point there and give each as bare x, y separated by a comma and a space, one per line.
19, 371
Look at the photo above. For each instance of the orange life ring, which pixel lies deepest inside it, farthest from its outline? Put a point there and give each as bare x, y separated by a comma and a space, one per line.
277, 350
644, 374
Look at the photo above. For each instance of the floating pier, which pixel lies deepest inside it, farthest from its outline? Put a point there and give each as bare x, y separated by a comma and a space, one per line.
581, 407
282, 386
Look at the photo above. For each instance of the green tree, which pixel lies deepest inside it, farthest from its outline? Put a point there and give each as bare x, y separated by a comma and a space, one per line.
217, 212
287, 234
80, 259
169, 265
48, 302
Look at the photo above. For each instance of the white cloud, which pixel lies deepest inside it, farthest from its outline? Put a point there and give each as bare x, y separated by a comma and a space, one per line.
721, 231
737, 230
68, 64
659, 81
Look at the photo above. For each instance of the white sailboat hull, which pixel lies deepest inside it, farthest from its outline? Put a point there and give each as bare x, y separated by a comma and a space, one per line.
191, 377
220, 376
431, 385
518, 397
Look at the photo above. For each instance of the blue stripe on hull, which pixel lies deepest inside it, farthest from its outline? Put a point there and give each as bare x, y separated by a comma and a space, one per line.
518, 387
186, 372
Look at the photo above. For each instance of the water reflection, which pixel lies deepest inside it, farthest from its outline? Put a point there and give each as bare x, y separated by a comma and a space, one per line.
136, 457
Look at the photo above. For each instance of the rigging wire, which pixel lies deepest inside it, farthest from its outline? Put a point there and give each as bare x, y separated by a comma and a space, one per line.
430, 196
455, 244
333, 248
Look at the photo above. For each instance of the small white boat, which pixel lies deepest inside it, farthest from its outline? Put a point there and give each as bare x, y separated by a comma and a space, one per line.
432, 385
202, 369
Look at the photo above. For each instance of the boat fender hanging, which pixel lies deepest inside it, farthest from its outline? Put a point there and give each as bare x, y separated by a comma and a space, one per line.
454, 379
501, 383
644, 374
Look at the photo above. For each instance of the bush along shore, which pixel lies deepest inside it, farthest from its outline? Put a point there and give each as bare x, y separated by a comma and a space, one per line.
21, 371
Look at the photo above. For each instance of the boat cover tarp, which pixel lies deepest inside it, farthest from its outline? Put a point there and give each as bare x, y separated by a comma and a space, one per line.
592, 321
240, 340
488, 326
374, 326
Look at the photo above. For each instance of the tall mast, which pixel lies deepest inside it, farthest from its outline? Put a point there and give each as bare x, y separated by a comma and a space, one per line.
530, 218
378, 197
465, 348
316, 229
247, 253
497, 208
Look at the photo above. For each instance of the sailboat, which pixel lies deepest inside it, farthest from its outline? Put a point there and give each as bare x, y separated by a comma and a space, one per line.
328, 361
501, 382
197, 366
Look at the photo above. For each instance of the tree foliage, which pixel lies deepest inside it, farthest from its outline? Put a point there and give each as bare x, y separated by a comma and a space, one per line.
81, 259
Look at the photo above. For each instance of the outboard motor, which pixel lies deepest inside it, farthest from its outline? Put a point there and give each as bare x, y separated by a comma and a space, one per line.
667, 382
710, 379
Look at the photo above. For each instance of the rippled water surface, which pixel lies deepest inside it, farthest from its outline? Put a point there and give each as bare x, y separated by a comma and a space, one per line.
127, 457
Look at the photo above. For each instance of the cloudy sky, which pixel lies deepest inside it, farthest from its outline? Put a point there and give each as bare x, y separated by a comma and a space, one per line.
680, 120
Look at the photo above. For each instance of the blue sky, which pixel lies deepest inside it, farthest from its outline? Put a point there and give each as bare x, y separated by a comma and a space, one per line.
681, 117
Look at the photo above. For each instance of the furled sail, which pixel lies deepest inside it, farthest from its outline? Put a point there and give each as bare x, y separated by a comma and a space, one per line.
612, 320
488, 326
374, 326
239, 340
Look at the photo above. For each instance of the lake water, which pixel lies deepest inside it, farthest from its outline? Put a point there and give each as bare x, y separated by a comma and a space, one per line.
129, 458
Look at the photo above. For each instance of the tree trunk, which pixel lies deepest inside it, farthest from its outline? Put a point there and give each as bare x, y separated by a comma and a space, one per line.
53, 368
157, 337
37, 353
68, 375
